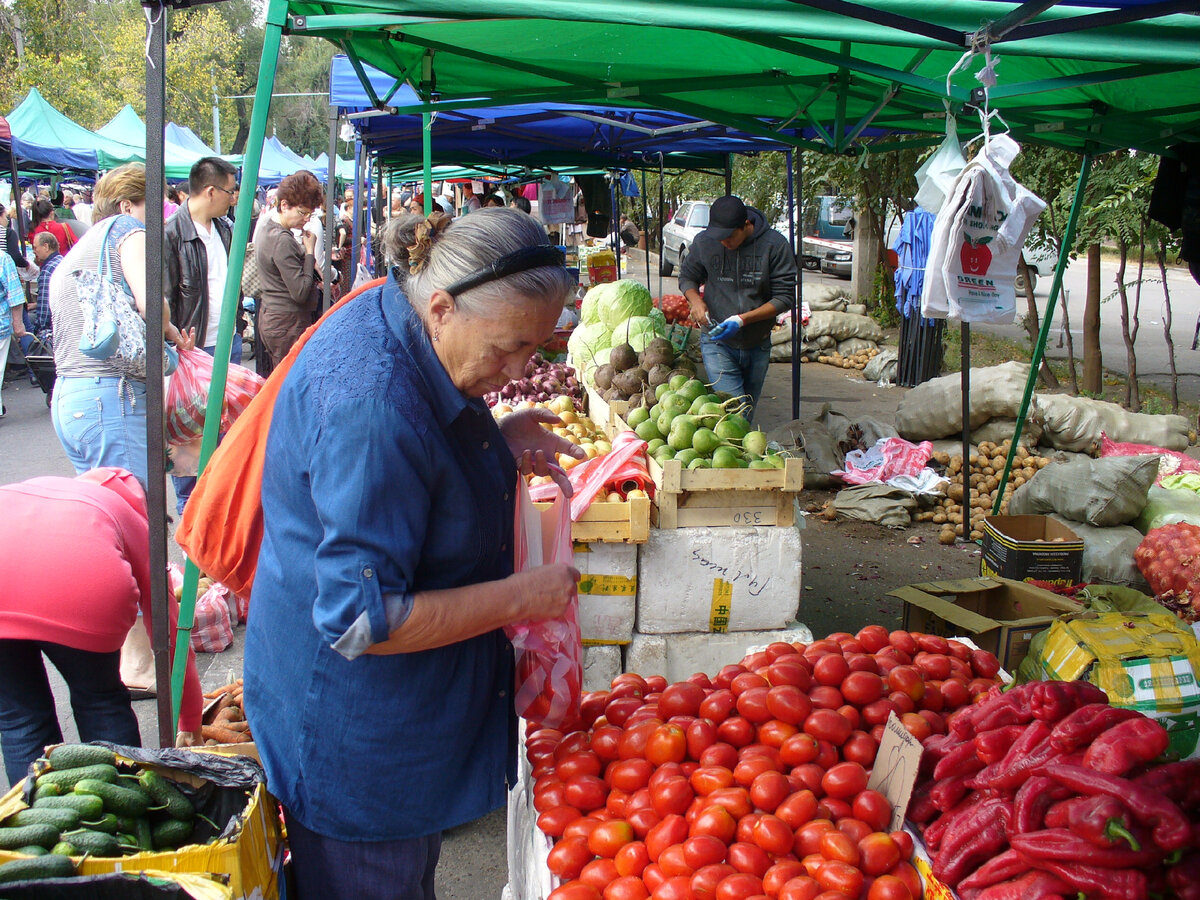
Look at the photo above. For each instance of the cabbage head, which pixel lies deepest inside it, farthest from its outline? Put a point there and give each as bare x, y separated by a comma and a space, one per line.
638, 332
589, 310
589, 345
657, 315
625, 299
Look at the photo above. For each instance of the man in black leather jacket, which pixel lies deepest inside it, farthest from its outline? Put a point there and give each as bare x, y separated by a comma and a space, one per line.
197, 251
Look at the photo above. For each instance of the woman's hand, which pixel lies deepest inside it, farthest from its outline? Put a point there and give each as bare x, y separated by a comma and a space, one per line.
189, 739
523, 431
183, 340
543, 592
534, 462
310, 241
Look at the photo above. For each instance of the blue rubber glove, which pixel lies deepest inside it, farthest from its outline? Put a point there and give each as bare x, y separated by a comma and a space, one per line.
726, 329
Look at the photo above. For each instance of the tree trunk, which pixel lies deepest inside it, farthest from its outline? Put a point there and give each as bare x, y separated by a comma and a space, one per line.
1093, 362
1161, 254
1132, 400
10, 24
1033, 326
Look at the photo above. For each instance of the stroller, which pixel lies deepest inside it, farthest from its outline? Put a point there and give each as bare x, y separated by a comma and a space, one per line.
40, 360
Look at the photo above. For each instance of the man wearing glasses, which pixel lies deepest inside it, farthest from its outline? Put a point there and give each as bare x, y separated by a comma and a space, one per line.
196, 249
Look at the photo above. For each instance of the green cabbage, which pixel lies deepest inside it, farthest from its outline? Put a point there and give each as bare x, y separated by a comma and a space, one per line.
589, 310
657, 315
589, 345
624, 300
638, 332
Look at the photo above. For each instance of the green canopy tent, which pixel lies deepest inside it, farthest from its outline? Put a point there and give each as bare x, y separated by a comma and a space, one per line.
35, 119
1086, 78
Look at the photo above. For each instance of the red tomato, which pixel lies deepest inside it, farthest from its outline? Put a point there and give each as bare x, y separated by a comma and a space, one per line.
627, 887
751, 767
555, 821
879, 854
842, 877
575, 890
984, 664
746, 680
777, 649
838, 846
681, 699
634, 740
548, 796
933, 699
734, 799
756, 660
808, 837
739, 886
572, 743
632, 858
889, 887
720, 754
599, 873
745, 828
773, 835
677, 888
702, 850
706, 879
581, 827
700, 679
902, 702
616, 803
912, 880
797, 809
932, 643
771, 753
591, 705
667, 743
855, 829
787, 703
642, 820
655, 684
915, 725
844, 780
609, 837
752, 703
903, 641
904, 841
715, 821
775, 732
954, 694
629, 775
583, 762
631, 678
832, 808
932, 665
800, 888
937, 723
907, 680
793, 670
727, 674
671, 830
781, 872
768, 790
707, 779
798, 749
672, 796
605, 741
620, 709
825, 696
876, 713
749, 858
860, 748
736, 731
567, 858
701, 734
862, 688
672, 862
809, 775
828, 725
831, 669
873, 638
873, 808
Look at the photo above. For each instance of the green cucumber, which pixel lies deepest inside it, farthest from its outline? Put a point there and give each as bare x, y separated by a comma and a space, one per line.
76, 756
107, 823
167, 795
62, 819
47, 790
62, 848
68, 778
32, 850
37, 867
42, 835
144, 834
120, 800
171, 833
89, 806
95, 843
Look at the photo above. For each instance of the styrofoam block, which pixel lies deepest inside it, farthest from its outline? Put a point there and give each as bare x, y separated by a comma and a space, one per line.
607, 591
601, 664
677, 656
718, 579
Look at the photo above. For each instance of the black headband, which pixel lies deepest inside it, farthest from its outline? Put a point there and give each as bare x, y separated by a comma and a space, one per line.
510, 264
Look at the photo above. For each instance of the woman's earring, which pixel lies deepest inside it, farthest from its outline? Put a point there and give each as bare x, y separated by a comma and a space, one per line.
435, 336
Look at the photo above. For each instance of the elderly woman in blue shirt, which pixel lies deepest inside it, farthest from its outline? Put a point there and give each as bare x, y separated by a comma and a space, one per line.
378, 677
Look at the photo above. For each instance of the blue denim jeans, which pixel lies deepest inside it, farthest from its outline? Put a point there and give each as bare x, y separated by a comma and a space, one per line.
185, 484
99, 701
329, 869
736, 371
101, 421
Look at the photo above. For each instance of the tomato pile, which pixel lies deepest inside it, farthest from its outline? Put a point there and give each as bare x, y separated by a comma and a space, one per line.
676, 308
752, 783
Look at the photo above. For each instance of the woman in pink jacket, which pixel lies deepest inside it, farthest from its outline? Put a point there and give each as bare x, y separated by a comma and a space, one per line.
74, 571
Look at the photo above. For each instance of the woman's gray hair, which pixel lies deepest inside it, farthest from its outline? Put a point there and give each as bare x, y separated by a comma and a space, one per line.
399, 234
477, 240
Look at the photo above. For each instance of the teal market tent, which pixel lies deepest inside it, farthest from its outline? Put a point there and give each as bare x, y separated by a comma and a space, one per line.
126, 126
180, 155
37, 121
344, 167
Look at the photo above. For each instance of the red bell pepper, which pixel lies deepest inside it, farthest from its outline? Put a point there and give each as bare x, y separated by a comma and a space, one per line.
1035, 885
1112, 884
1033, 799
947, 793
1103, 821
1009, 708
1059, 814
973, 839
1171, 828
1053, 701
1031, 751
1127, 745
1066, 846
1008, 865
959, 761
1178, 781
1184, 878
1081, 727
991, 746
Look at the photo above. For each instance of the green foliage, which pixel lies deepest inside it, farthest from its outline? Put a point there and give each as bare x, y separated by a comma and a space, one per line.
882, 306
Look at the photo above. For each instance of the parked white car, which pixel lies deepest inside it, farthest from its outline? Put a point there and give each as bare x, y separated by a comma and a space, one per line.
689, 220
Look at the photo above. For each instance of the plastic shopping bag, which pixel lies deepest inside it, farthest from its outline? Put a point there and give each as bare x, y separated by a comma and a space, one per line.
622, 469
187, 395
936, 175
212, 628
549, 653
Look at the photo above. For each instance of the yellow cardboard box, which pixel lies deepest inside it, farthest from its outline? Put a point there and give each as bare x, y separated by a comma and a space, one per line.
251, 859
1150, 663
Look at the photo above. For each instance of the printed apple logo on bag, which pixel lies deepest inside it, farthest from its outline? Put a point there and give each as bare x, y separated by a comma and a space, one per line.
975, 255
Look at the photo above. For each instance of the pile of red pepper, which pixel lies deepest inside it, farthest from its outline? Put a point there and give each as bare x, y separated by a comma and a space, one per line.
1046, 791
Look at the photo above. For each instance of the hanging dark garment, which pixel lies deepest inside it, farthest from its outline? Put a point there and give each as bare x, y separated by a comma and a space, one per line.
598, 198
1175, 200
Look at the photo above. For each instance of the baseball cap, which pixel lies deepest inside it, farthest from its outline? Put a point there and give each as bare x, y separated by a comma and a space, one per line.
725, 216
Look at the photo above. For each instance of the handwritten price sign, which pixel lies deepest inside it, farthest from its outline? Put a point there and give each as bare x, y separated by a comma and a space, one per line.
895, 770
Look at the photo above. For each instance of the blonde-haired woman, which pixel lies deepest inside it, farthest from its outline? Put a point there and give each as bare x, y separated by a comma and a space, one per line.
99, 414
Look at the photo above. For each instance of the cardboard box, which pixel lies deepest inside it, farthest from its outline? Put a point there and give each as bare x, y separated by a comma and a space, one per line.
998, 614
1031, 548
252, 858
677, 656
608, 589
1150, 663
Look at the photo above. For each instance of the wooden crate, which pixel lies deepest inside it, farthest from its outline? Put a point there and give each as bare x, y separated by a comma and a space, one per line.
686, 498
609, 417
612, 523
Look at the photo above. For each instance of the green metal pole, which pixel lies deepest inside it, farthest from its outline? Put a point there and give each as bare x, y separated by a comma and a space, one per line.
1044, 334
276, 18
427, 158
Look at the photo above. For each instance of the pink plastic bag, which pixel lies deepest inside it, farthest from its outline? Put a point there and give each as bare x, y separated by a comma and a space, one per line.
887, 459
212, 630
549, 653
187, 396
622, 469
1170, 462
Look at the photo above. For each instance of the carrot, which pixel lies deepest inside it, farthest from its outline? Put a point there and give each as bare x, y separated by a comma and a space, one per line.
224, 735
243, 726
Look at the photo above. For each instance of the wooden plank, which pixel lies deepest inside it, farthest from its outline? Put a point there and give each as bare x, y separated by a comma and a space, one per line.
627, 522
673, 477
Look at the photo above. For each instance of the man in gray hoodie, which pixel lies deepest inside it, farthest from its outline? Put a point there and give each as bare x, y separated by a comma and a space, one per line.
749, 275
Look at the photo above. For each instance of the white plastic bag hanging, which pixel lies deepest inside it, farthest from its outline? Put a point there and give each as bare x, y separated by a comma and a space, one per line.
936, 175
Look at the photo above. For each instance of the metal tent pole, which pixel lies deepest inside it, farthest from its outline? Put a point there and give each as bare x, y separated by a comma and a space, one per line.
1039, 351
273, 33
662, 211
156, 486
331, 216
427, 159
645, 219
356, 225
15, 217
799, 292
615, 226
965, 381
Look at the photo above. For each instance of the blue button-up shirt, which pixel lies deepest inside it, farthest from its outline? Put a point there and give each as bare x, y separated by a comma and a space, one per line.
39, 319
381, 480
